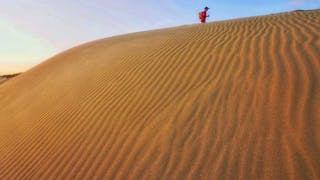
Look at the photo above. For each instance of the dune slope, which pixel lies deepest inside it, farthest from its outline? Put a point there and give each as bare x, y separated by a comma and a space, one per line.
234, 99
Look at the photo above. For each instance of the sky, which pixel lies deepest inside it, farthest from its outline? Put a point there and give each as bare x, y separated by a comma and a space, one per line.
31, 31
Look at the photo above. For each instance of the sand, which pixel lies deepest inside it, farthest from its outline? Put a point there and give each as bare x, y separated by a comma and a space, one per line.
2, 80
235, 99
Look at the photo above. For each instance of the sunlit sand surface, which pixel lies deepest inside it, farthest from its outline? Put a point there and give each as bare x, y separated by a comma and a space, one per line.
235, 99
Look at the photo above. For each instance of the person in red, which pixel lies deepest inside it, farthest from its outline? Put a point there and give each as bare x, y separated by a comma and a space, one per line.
203, 15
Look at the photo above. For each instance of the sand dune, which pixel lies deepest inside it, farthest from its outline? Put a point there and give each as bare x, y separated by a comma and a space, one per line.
4, 78
235, 99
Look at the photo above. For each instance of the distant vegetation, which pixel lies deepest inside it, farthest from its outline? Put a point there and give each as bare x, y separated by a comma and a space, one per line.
4, 78
10, 75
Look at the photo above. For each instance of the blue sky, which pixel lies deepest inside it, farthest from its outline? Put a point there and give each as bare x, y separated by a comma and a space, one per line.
33, 30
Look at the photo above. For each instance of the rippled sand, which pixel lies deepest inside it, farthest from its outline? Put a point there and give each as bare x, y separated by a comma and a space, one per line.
235, 99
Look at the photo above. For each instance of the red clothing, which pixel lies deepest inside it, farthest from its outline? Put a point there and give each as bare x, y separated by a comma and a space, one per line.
203, 16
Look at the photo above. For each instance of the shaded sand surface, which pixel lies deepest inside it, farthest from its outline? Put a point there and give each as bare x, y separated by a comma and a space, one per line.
235, 99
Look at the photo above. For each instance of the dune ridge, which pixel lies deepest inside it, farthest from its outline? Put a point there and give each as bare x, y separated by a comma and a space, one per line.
235, 99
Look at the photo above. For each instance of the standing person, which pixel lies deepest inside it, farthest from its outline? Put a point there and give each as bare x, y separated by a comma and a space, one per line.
203, 15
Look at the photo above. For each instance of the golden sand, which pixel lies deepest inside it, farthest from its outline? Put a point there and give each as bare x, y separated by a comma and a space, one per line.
236, 99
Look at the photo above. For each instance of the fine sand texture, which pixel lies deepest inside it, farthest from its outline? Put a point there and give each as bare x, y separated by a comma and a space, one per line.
236, 99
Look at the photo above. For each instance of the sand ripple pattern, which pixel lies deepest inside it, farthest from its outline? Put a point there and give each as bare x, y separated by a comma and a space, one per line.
236, 99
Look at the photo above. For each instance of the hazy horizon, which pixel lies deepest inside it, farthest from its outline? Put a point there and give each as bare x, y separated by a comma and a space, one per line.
32, 31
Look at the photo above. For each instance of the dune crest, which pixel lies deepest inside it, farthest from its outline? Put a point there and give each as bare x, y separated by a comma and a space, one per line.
235, 99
